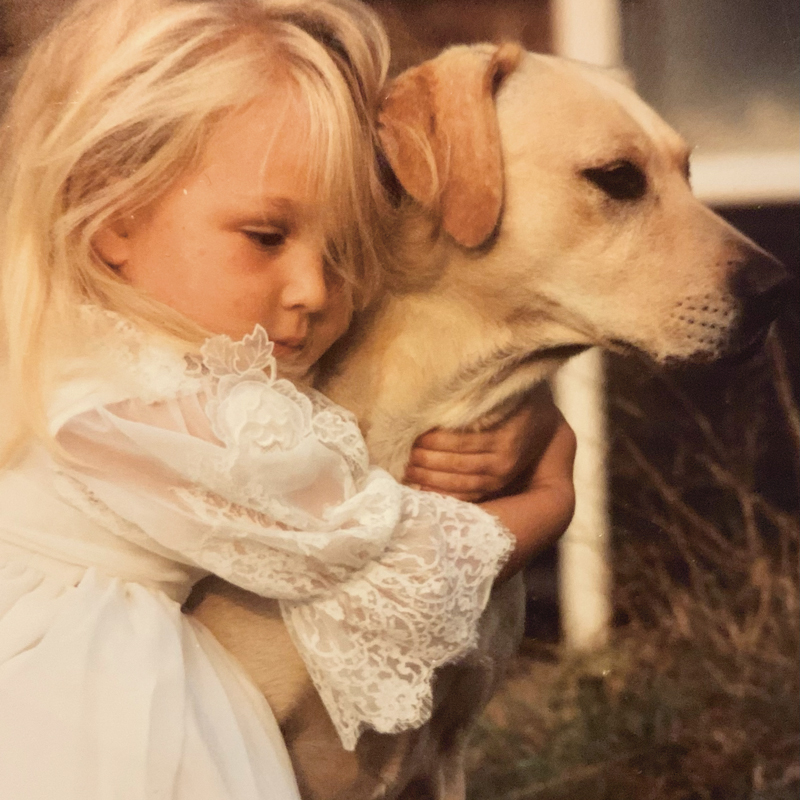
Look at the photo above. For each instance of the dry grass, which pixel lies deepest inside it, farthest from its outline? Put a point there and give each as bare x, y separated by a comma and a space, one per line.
697, 697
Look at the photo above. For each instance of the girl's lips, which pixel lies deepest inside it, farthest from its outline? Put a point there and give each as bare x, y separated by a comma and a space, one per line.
285, 348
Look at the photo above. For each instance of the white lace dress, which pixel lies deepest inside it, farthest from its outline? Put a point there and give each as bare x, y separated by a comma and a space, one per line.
178, 467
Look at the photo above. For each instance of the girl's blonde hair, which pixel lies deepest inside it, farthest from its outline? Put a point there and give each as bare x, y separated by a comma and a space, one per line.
116, 102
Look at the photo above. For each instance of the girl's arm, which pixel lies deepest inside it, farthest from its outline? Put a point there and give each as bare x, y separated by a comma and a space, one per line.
379, 584
539, 514
529, 456
224, 467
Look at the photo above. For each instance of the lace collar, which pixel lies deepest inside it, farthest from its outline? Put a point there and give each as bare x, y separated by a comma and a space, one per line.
125, 361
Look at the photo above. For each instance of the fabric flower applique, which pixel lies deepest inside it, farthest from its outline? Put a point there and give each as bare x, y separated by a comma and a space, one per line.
271, 457
220, 356
251, 405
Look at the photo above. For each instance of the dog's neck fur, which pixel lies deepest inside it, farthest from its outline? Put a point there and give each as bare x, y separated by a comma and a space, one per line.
420, 360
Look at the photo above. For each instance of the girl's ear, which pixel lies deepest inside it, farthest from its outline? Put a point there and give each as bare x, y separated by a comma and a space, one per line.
112, 242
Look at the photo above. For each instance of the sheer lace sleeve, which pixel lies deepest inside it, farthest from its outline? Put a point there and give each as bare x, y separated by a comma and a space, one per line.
243, 475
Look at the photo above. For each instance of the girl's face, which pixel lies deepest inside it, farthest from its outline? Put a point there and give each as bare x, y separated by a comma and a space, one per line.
240, 240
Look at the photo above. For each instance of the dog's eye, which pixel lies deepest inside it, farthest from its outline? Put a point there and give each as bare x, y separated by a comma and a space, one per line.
622, 180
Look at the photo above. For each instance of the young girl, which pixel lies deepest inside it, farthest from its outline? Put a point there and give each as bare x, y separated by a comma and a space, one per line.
190, 200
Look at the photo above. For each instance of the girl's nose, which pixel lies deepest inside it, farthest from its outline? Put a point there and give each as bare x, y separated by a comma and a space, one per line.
305, 286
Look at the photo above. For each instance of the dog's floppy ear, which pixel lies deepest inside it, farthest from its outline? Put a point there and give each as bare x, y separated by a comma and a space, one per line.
438, 127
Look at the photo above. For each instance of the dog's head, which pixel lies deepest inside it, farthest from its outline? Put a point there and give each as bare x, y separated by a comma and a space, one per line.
568, 200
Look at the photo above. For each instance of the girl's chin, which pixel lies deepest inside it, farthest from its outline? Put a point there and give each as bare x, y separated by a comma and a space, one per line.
294, 367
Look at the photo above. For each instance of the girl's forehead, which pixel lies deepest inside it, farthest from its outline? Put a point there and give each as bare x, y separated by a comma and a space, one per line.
274, 125
266, 147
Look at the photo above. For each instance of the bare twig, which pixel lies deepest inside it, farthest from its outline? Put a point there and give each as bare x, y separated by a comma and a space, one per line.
676, 503
783, 386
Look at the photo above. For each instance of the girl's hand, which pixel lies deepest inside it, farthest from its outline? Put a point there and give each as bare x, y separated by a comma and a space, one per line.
475, 465
541, 512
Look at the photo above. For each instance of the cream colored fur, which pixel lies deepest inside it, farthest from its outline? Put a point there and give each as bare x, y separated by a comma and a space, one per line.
532, 261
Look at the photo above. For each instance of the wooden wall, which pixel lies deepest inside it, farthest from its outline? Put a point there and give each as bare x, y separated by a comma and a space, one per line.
418, 28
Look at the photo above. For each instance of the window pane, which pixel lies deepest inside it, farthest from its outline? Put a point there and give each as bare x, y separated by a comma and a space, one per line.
725, 73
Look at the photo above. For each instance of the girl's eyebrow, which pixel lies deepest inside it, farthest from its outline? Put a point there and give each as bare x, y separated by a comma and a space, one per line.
264, 209
263, 206
281, 203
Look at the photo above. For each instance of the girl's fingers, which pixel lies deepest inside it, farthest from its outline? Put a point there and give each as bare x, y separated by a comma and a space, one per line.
453, 441
459, 463
452, 483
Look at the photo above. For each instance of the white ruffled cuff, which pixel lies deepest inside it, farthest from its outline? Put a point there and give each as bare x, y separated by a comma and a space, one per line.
372, 646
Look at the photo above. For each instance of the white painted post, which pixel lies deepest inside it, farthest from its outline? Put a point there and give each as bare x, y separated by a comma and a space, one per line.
584, 573
586, 30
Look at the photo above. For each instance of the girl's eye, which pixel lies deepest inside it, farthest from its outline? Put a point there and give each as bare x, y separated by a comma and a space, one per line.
266, 239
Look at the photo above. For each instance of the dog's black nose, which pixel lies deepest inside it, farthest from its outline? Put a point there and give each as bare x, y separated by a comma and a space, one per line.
762, 285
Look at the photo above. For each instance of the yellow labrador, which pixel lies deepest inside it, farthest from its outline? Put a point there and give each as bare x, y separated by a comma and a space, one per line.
560, 217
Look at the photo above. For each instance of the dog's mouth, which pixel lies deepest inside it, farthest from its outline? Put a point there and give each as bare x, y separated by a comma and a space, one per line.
744, 351
735, 352
558, 352
507, 364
